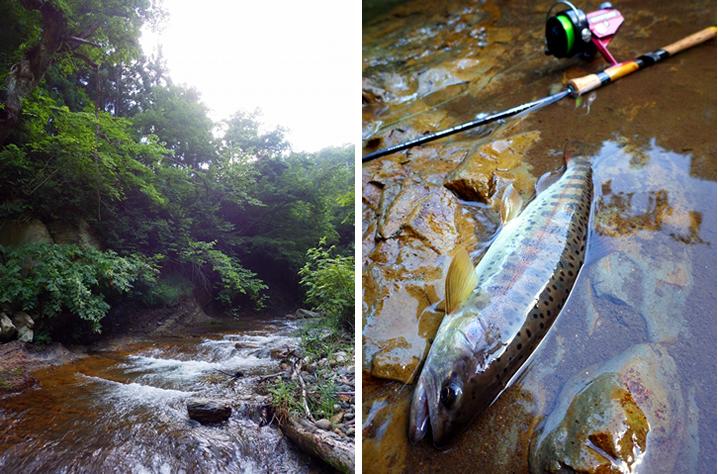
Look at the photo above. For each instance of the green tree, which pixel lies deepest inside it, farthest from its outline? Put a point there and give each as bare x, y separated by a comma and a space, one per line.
63, 32
50, 279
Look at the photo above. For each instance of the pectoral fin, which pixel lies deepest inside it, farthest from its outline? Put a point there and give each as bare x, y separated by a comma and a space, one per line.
461, 279
511, 203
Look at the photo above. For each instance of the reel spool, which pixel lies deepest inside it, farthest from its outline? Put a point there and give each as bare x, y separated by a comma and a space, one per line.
572, 32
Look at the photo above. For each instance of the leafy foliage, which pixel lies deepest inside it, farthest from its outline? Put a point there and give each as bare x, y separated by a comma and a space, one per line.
228, 208
55, 278
234, 279
329, 279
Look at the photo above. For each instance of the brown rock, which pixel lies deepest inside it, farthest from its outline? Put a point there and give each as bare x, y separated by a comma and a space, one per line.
614, 416
475, 179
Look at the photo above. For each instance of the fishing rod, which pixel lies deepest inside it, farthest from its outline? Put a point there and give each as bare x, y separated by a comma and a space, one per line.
576, 88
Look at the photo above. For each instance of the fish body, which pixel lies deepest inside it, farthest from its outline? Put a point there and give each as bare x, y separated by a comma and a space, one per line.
506, 306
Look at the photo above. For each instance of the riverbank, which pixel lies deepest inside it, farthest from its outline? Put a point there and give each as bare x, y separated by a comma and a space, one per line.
165, 338
314, 398
18, 361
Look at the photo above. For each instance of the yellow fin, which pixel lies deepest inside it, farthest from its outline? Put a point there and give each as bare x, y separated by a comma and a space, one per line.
461, 279
511, 203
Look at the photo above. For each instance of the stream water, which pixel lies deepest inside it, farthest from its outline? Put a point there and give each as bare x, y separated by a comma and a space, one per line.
428, 66
126, 411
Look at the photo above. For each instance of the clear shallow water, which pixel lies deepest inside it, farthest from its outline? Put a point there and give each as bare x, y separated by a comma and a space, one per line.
126, 411
653, 135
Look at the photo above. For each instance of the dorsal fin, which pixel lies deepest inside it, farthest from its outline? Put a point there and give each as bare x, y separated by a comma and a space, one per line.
461, 279
510, 204
546, 180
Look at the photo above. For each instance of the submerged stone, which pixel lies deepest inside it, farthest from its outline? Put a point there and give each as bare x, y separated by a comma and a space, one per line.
624, 415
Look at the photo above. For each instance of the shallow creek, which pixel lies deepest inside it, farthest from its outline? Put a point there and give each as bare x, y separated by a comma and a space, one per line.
125, 411
646, 308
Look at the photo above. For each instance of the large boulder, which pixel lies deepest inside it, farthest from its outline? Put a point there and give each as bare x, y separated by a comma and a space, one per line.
25, 334
207, 411
31, 231
7, 329
21, 319
76, 233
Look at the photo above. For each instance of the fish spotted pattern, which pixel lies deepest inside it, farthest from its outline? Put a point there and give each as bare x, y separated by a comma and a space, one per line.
511, 299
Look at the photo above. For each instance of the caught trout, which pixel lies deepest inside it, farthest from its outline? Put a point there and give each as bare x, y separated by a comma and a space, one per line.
498, 312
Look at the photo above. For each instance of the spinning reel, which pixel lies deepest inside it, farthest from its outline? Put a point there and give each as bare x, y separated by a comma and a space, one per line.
571, 32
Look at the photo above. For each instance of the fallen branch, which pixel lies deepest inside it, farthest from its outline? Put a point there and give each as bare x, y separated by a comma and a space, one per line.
304, 393
324, 444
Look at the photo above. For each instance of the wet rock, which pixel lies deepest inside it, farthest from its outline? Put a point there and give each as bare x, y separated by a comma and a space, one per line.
263, 354
371, 93
646, 209
8, 331
615, 416
25, 334
240, 345
21, 318
205, 410
476, 179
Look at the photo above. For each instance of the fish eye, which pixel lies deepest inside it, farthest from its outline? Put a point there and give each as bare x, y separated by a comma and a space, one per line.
450, 392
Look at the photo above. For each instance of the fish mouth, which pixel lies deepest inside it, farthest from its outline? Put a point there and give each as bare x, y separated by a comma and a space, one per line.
419, 415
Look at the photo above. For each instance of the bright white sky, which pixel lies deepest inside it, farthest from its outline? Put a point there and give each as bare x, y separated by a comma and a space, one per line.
298, 61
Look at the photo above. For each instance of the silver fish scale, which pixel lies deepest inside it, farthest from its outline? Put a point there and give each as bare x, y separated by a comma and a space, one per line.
524, 281
551, 234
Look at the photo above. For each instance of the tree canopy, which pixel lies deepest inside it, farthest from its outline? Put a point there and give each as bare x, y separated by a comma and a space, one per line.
93, 130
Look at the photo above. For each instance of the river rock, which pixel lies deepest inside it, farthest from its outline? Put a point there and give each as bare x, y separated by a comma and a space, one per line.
7, 329
323, 424
614, 417
635, 276
306, 314
263, 354
21, 319
206, 410
25, 334
476, 179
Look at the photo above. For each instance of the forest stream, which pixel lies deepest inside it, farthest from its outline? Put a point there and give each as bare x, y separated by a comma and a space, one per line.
125, 411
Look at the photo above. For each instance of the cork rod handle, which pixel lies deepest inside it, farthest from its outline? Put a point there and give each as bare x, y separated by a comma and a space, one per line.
584, 84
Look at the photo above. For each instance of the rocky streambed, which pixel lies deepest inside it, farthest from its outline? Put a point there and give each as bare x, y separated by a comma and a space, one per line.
625, 379
126, 407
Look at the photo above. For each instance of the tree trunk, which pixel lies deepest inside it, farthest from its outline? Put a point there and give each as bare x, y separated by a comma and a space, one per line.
324, 444
26, 74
